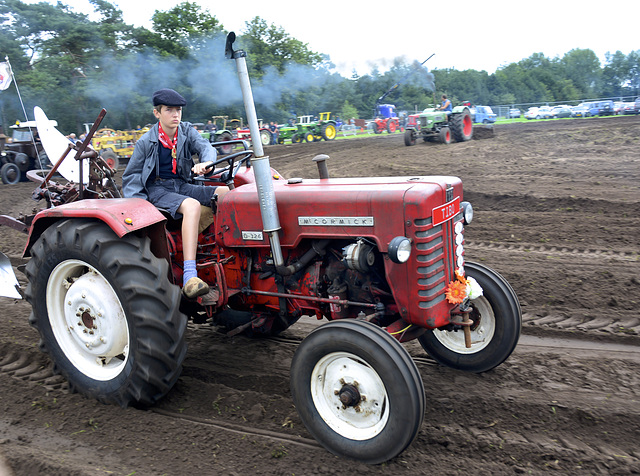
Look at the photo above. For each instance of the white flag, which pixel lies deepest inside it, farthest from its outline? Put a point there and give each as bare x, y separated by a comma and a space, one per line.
5, 76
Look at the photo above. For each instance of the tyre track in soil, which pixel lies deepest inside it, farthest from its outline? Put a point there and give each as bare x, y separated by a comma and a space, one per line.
561, 436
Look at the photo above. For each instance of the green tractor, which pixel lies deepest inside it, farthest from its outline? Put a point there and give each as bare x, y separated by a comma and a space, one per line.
435, 125
307, 130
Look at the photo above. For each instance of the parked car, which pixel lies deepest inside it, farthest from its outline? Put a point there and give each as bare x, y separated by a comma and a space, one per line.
542, 112
629, 108
514, 113
561, 111
605, 108
637, 105
618, 107
581, 110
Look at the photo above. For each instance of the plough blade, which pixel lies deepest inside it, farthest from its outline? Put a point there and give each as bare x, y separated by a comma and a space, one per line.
8, 282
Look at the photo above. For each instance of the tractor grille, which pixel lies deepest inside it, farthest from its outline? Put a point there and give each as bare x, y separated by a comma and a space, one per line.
435, 259
430, 246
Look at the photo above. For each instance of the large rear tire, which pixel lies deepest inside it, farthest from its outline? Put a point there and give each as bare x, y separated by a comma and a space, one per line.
357, 391
328, 131
106, 312
111, 158
225, 149
391, 126
497, 323
461, 126
265, 137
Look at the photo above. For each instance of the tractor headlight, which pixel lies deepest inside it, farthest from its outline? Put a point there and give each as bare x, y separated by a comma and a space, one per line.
400, 249
467, 212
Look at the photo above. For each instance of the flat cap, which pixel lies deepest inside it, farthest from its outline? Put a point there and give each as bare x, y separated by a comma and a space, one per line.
168, 97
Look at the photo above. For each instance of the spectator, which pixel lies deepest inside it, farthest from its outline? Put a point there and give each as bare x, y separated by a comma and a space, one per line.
273, 128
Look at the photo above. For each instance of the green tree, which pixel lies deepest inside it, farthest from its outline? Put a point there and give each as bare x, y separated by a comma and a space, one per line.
271, 46
583, 68
182, 31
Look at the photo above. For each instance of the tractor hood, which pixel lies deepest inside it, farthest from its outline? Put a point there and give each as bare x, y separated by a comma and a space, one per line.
341, 208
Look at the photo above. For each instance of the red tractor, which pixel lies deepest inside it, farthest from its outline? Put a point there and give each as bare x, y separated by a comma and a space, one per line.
386, 119
382, 259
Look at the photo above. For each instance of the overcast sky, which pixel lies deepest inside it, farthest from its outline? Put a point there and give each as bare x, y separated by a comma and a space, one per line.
463, 34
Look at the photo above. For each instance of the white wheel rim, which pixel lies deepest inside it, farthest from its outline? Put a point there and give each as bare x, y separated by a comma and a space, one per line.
480, 336
87, 320
362, 421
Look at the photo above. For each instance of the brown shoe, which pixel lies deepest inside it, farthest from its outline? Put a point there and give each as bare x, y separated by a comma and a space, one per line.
195, 287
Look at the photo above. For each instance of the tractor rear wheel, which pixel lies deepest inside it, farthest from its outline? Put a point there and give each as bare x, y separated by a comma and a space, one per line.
409, 137
357, 391
329, 131
461, 126
444, 135
224, 149
391, 126
265, 137
22, 161
107, 313
494, 334
111, 158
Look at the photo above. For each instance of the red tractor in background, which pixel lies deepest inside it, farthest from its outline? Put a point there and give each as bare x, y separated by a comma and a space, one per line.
381, 258
386, 119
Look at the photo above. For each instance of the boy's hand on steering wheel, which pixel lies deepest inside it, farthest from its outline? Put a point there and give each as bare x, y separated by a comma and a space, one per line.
201, 169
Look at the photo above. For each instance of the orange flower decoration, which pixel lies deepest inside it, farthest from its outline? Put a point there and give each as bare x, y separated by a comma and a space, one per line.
456, 292
461, 278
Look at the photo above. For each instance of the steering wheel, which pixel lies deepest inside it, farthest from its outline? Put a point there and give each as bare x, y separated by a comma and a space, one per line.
228, 172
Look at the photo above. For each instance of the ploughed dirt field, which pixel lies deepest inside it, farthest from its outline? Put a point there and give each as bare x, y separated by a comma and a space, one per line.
557, 212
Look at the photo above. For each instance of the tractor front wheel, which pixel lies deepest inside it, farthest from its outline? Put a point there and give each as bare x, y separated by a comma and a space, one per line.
357, 391
409, 137
444, 135
308, 137
10, 173
497, 320
106, 312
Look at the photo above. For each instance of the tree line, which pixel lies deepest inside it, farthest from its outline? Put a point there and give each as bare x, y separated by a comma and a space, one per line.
73, 66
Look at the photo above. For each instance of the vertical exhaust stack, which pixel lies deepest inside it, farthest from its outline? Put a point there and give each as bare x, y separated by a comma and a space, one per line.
260, 162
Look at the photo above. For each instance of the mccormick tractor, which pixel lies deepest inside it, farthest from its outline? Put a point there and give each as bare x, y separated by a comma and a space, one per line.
434, 125
382, 259
308, 130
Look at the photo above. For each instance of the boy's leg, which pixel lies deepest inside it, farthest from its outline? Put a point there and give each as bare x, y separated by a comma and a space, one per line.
192, 285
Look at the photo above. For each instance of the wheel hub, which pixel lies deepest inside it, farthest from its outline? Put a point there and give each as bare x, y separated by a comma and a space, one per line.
349, 395
94, 318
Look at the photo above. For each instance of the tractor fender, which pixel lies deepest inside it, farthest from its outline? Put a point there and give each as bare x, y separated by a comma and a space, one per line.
459, 109
122, 215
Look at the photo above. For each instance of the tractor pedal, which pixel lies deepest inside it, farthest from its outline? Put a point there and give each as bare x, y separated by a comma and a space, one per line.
209, 299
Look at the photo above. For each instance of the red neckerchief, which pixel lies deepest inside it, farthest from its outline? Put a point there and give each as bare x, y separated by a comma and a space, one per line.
169, 144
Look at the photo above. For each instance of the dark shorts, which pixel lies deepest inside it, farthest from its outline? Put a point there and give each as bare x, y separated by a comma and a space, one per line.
169, 194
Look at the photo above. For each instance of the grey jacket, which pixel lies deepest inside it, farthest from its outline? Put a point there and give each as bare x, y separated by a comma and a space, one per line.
145, 158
